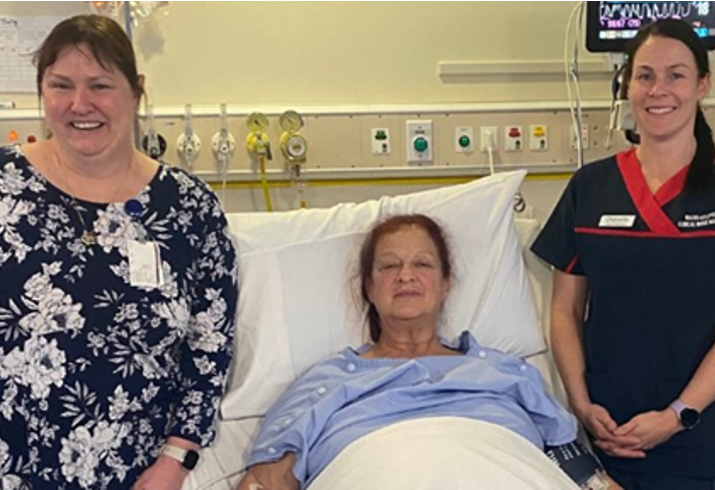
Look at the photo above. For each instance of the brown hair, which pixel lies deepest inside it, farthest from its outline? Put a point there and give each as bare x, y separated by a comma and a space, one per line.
108, 43
701, 168
367, 256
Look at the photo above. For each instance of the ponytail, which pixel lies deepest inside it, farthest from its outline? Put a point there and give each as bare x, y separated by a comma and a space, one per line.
701, 168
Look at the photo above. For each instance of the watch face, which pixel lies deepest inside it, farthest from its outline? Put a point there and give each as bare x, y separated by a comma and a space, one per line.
689, 418
190, 460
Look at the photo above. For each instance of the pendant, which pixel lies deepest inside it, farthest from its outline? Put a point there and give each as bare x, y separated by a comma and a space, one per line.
88, 238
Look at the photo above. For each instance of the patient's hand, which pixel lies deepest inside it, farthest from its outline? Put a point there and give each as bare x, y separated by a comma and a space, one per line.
271, 476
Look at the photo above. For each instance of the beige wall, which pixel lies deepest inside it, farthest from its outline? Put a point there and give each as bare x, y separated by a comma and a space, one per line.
339, 53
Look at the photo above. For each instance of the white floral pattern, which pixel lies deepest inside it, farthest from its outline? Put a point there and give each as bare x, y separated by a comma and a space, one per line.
95, 373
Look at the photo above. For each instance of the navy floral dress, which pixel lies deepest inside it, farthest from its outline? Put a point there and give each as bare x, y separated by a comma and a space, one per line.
95, 372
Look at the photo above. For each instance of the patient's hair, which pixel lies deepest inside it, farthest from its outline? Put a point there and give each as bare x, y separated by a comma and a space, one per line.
367, 256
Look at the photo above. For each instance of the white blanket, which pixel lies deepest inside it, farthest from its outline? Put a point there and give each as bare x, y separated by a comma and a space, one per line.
442, 453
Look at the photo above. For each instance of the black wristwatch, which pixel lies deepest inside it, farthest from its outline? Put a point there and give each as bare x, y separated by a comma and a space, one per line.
187, 457
688, 416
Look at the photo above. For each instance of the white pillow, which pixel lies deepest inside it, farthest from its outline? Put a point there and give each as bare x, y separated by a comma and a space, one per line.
296, 268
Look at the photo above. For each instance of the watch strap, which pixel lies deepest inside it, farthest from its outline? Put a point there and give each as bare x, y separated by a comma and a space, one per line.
174, 452
678, 407
187, 457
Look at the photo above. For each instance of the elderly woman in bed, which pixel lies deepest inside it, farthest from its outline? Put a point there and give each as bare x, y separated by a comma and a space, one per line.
409, 373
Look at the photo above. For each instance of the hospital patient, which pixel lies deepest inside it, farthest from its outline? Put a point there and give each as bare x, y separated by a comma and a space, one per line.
408, 372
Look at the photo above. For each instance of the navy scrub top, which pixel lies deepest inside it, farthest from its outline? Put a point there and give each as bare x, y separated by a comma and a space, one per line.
650, 264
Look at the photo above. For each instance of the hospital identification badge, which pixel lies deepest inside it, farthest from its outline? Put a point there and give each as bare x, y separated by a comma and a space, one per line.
617, 221
145, 264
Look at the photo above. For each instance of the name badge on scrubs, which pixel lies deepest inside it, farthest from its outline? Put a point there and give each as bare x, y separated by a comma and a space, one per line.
144, 264
617, 221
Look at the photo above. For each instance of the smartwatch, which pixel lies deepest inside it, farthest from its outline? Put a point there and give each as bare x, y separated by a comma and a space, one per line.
688, 416
187, 457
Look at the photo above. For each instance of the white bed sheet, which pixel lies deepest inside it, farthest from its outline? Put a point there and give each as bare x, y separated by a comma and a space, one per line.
221, 466
442, 453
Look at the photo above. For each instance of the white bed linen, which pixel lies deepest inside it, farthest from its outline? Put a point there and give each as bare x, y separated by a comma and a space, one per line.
442, 453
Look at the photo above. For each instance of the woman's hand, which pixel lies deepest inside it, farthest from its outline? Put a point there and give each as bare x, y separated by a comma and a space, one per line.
613, 442
651, 428
165, 474
271, 476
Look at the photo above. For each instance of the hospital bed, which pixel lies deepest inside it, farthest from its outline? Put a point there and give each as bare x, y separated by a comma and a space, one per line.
296, 308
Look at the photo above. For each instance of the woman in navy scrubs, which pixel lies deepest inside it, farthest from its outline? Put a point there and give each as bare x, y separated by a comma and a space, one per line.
632, 242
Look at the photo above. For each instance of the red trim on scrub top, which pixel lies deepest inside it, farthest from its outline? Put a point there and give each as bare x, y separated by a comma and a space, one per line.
571, 265
649, 205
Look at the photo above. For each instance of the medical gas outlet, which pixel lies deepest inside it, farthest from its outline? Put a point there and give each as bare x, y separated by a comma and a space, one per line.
419, 141
257, 143
223, 143
188, 145
153, 143
538, 137
464, 139
293, 144
513, 138
380, 140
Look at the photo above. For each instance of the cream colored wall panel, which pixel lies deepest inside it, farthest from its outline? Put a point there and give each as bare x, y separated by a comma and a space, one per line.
342, 141
333, 142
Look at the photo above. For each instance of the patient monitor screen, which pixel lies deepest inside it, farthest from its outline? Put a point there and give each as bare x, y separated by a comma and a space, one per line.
610, 25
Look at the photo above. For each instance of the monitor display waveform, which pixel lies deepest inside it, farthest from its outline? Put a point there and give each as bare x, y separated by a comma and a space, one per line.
609, 25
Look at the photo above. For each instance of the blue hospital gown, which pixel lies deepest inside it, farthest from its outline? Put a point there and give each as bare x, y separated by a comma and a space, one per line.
94, 372
343, 398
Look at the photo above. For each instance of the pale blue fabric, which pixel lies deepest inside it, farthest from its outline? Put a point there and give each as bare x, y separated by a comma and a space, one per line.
343, 398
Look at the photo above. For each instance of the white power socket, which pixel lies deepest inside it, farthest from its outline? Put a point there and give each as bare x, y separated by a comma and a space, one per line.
419, 141
488, 138
585, 138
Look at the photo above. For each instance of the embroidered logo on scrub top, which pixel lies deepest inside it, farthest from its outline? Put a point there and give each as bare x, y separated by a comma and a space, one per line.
697, 220
617, 221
